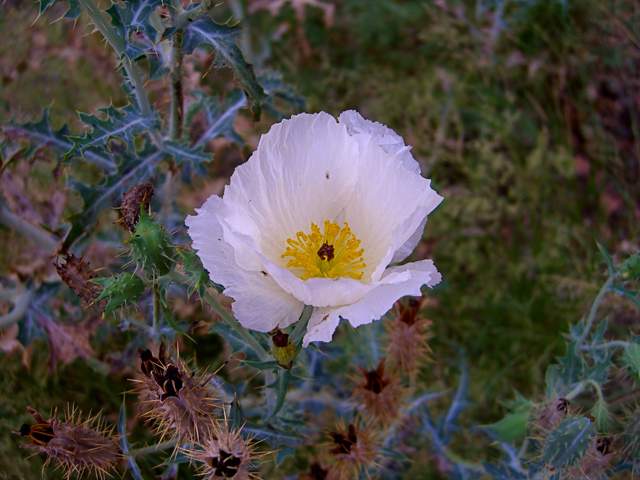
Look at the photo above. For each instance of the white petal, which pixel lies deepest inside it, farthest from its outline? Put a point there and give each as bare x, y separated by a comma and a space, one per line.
389, 140
260, 304
375, 304
388, 205
303, 171
405, 249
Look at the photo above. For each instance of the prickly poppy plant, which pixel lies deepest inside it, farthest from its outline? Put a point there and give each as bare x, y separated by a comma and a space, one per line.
273, 310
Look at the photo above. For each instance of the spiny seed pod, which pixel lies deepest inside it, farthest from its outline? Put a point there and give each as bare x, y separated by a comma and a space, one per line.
179, 404
596, 461
76, 273
225, 455
379, 395
284, 351
408, 335
119, 290
150, 247
355, 451
630, 436
136, 199
76, 445
552, 414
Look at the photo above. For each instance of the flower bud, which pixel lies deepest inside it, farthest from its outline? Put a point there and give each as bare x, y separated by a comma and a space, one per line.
284, 351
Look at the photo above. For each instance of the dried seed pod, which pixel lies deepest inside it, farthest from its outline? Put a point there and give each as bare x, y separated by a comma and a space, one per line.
179, 404
76, 445
76, 273
408, 335
225, 455
355, 451
136, 198
379, 395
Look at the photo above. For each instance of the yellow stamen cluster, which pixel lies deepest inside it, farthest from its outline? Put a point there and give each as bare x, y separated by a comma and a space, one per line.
331, 254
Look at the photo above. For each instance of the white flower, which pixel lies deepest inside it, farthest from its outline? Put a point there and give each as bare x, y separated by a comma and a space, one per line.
315, 217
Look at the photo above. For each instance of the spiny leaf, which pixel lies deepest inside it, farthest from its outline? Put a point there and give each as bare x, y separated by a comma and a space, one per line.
120, 290
132, 18
224, 40
73, 11
283, 379
568, 442
571, 365
192, 158
133, 170
283, 453
631, 358
276, 89
607, 259
219, 115
199, 277
119, 123
275, 436
150, 247
41, 134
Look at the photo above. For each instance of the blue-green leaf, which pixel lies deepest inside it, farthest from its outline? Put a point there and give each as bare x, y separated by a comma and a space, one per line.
132, 466
283, 453
133, 18
193, 158
73, 11
224, 40
607, 259
219, 115
568, 442
121, 123
40, 134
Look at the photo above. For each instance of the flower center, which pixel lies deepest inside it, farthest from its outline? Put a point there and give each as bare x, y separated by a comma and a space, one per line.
331, 254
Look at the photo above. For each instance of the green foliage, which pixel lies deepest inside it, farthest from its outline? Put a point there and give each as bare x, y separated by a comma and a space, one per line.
512, 427
150, 247
224, 40
120, 290
121, 123
567, 442
133, 18
73, 11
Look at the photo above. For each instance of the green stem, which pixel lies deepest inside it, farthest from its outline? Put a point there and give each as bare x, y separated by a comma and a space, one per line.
156, 307
605, 346
575, 392
301, 326
137, 452
592, 312
20, 306
36, 234
119, 45
177, 99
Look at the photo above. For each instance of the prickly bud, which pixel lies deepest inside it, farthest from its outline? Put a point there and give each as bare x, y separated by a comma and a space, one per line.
566, 444
379, 395
284, 351
119, 290
150, 247
355, 452
199, 277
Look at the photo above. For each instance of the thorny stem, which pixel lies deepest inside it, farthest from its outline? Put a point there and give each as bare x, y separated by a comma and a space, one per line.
592, 312
177, 99
20, 304
119, 45
195, 14
36, 234
138, 452
156, 307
